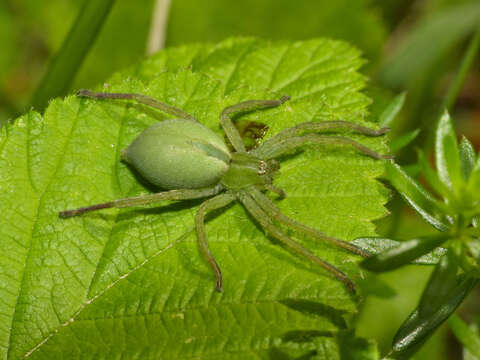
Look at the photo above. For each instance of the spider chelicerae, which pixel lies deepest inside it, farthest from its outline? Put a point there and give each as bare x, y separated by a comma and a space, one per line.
191, 162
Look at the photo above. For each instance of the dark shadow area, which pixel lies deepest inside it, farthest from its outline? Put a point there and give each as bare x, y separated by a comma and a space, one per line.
314, 308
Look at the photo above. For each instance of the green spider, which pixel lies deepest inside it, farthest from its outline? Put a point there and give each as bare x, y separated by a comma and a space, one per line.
192, 162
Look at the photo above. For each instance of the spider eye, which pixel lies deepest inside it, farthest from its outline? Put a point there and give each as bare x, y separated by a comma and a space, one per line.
262, 167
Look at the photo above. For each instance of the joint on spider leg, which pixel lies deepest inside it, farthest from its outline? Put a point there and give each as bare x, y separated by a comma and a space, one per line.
280, 192
383, 130
74, 212
219, 282
284, 98
85, 93
350, 285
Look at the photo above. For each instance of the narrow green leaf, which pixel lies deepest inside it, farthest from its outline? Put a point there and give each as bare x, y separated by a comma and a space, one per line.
474, 180
403, 140
467, 157
75, 47
376, 245
469, 338
391, 111
467, 62
417, 329
447, 155
441, 283
428, 207
432, 177
476, 221
403, 254
413, 170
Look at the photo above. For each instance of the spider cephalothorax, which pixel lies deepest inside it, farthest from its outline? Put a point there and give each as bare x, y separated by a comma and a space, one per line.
193, 162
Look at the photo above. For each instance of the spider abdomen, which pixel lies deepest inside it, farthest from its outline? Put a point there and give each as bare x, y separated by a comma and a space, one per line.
179, 154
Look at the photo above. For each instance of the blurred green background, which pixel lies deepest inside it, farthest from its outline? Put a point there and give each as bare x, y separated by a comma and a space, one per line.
413, 46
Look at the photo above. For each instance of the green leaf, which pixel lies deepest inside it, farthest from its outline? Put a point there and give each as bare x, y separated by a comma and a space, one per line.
470, 339
404, 253
376, 245
476, 221
429, 208
447, 156
403, 140
68, 59
474, 180
417, 329
432, 177
467, 157
391, 111
440, 285
131, 283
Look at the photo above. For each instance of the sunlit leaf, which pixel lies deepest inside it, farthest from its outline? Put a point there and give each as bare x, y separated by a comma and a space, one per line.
391, 111
467, 157
447, 155
131, 283
474, 180
432, 176
403, 140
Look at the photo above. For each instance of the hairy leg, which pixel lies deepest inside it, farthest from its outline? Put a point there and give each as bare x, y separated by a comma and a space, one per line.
181, 194
259, 214
142, 99
319, 126
217, 202
227, 123
272, 150
272, 210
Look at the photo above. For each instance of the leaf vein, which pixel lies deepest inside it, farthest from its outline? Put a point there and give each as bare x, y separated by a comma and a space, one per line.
33, 229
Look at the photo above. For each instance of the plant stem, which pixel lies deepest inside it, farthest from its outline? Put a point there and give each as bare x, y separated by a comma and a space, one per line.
465, 66
158, 27
68, 59
451, 97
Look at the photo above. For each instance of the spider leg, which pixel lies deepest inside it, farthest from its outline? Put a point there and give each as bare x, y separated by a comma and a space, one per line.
227, 123
321, 126
140, 98
181, 194
277, 148
280, 192
210, 205
272, 210
261, 216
